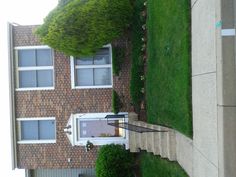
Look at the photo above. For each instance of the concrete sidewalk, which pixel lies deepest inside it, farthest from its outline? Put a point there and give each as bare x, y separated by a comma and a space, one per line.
213, 88
204, 88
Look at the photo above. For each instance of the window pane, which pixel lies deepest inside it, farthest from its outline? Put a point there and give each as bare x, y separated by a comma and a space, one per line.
84, 77
102, 57
103, 51
44, 57
102, 76
46, 129
87, 130
44, 78
26, 58
84, 61
27, 79
29, 130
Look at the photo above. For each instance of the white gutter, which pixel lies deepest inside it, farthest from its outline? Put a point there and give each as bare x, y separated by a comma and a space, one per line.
11, 96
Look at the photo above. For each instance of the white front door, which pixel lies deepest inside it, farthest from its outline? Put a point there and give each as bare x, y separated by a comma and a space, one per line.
93, 127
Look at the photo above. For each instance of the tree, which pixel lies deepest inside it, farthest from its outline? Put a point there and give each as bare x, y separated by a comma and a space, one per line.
81, 27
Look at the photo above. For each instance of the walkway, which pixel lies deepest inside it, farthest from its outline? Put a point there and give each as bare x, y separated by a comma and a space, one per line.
214, 88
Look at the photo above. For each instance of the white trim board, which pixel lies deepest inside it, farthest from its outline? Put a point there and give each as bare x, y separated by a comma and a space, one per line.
228, 32
32, 47
35, 118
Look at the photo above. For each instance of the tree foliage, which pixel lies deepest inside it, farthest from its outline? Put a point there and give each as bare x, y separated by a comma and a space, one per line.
81, 27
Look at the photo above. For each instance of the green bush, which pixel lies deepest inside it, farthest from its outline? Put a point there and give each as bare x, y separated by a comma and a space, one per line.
118, 55
114, 161
116, 102
81, 27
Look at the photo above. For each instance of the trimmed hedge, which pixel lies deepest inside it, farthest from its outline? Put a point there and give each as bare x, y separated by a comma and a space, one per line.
114, 161
116, 102
81, 27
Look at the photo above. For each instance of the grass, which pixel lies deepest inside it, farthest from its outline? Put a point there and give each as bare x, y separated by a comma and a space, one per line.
136, 84
154, 166
168, 79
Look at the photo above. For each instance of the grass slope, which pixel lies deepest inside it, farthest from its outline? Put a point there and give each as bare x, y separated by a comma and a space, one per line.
168, 81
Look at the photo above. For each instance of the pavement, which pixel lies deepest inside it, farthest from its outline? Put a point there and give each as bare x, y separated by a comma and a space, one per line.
213, 89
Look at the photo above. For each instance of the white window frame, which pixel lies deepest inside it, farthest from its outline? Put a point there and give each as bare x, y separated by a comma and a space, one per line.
97, 140
73, 68
34, 141
35, 68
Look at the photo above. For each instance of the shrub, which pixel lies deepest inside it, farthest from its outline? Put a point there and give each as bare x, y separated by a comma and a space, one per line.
81, 27
114, 161
137, 68
116, 102
118, 55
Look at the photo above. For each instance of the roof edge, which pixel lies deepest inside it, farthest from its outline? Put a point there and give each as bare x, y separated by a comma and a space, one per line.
11, 95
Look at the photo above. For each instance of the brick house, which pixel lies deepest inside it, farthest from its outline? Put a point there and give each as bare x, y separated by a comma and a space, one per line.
59, 102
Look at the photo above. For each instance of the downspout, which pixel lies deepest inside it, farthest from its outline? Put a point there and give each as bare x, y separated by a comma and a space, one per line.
12, 96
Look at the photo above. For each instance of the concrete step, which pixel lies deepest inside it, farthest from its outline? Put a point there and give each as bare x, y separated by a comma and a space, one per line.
163, 143
137, 139
132, 142
132, 116
156, 140
171, 145
143, 142
149, 139
160, 143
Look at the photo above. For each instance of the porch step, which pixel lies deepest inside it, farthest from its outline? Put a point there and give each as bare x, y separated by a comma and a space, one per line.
171, 145
159, 143
143, 136
149, 139
163, 143
156, 140
132, 142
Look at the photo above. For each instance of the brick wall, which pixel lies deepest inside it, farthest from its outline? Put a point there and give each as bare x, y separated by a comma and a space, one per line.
61, 103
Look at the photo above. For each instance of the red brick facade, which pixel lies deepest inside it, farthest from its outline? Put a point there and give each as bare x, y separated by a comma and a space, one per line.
61, 103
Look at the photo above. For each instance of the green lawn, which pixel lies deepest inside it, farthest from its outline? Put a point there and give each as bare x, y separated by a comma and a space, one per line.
168, 79
154, 166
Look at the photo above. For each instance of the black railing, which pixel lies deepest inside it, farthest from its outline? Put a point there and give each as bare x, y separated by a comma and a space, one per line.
128, 126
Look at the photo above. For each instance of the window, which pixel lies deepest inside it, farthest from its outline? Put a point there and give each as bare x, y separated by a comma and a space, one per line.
36, 130
34, 68
94, 71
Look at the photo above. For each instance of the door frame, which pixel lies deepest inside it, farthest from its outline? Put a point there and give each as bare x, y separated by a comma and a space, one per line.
96, 140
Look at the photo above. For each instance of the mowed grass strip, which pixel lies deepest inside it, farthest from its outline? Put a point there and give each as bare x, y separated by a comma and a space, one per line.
154, 166
168, 79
